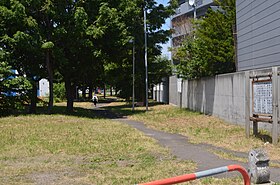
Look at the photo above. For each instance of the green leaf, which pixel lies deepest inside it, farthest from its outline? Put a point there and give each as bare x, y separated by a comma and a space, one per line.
47, 45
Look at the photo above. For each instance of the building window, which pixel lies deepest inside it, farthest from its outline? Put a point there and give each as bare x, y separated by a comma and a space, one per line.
197, 3
178, 11
181, 1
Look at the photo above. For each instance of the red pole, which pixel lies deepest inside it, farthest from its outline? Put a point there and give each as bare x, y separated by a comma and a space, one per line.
173, 180
193, 176
242, 171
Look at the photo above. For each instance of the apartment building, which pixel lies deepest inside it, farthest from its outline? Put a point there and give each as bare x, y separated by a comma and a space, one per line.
181, 22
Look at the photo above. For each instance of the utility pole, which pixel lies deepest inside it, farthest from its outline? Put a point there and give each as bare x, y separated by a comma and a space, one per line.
146, 57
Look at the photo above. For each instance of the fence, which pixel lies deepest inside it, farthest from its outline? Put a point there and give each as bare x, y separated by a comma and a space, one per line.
227, 96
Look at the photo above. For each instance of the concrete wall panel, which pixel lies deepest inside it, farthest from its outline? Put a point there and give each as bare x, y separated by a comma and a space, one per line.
222, 96
173, 93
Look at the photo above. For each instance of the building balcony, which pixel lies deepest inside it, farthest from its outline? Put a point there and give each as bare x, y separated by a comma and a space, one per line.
185, 8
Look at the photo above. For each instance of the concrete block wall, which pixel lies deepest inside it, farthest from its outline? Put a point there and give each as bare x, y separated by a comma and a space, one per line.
222, 96
161, 91
158, 92
173, 91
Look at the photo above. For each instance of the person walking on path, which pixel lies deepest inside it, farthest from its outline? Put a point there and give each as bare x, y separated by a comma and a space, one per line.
95, 100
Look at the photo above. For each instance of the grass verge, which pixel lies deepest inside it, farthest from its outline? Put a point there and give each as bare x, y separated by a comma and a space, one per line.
84, 149
199, 128
61, 149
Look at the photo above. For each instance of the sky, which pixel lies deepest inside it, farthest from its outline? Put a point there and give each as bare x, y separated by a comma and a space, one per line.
165, 51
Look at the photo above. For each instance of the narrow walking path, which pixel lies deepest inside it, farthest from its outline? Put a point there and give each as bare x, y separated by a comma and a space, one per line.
182, 149
198, 153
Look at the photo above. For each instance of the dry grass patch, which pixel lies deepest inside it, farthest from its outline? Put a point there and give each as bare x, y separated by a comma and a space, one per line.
61, 149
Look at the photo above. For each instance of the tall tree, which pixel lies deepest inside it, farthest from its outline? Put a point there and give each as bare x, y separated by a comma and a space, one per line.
132, 16
20, 37
81, 40
74, 45
211, 50
13, 88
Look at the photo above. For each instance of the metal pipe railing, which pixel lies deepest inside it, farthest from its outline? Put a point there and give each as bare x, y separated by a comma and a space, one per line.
206, 173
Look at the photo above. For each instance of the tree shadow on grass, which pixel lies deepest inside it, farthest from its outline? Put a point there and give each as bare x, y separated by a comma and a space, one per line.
101, 112
93, 113
126, 110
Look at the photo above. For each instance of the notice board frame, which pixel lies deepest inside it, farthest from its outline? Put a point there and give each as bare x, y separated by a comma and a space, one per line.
264, 82
273, 119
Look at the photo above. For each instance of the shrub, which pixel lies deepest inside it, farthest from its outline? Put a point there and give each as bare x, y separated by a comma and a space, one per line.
59, 92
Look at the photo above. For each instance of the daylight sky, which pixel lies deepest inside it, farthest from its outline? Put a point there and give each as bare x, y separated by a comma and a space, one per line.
165, 51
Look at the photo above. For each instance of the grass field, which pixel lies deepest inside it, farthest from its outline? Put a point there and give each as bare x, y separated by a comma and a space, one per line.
63, 149
199, 128
58, 149
84, 149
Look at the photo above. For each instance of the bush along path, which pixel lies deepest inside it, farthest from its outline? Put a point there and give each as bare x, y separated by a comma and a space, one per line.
182, 149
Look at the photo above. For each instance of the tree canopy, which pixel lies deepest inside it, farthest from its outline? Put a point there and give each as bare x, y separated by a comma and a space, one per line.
210, 49
85, 42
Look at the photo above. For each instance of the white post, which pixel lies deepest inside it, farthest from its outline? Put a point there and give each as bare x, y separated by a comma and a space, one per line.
194, 11
247, 104
275, 105
133, 74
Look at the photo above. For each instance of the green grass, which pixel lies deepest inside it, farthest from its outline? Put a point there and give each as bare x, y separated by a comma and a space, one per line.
200, 128
83, 148
216, 181
61, 149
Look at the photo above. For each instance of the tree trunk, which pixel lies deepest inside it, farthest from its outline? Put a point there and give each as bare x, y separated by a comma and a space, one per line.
153, 91
90, 92
50, 74
84, 92
111, 91
77, 96
69, 96
32, 107
49, 66
104, 90
142, 95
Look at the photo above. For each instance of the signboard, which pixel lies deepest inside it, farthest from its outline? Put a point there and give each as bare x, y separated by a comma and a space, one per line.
179, 85
262, 97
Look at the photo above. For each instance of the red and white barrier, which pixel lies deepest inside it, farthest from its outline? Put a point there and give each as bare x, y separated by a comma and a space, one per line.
197, 175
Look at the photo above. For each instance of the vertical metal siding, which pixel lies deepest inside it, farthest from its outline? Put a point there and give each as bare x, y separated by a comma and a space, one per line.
258, 28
